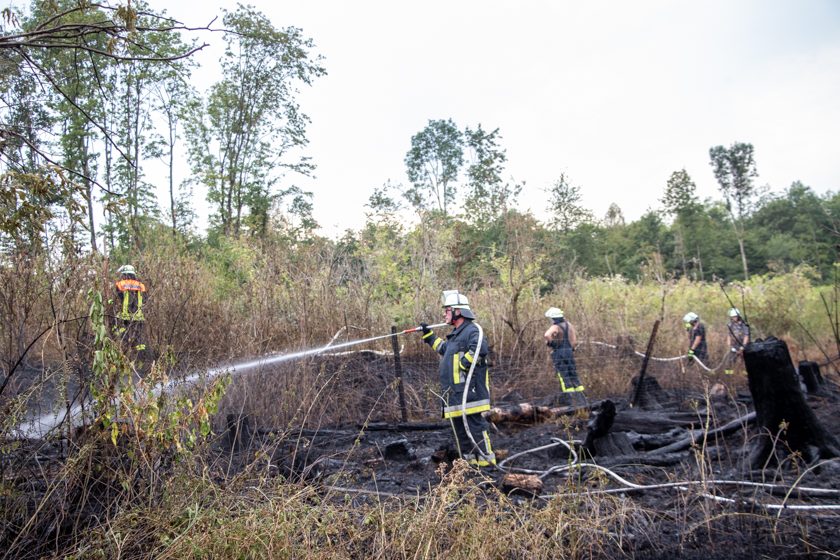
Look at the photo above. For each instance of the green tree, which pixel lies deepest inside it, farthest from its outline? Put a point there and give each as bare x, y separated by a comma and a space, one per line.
251, 126
680, 202
433, 164
735, 169
488, 196
564, 205
793, 229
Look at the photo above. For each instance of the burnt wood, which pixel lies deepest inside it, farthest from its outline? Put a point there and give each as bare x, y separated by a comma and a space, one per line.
781, 411
811, 376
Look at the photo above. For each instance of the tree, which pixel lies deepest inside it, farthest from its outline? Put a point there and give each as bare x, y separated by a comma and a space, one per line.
252, 124
734, 169
488, 196
564, 205
614, 216
432, 164
69, 51
680, 202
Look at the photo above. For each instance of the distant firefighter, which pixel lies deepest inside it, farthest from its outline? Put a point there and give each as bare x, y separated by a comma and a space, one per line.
562, 339
460, 351
739, 337
131, 293
696, 337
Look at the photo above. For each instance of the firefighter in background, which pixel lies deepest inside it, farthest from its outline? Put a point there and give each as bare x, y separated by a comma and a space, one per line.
739, 337
460, 351
562, 338
131, 293
696, 338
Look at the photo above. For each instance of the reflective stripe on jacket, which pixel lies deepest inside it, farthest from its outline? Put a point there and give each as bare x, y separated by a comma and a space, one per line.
131, 293
459, 352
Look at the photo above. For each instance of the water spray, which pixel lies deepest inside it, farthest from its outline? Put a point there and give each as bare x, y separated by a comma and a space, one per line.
40, 426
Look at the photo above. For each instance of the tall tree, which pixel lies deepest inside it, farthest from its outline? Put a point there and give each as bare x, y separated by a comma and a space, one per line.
488, 196
680, 202
252, 123
433, 164
564, 205
735, 169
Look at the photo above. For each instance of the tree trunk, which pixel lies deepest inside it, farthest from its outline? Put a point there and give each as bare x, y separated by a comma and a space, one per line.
811, 376
782, 414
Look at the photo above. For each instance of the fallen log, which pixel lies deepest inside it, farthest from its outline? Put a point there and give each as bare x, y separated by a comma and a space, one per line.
663, 460
695, 435
641, 421
527, 484
527, 413
781, 411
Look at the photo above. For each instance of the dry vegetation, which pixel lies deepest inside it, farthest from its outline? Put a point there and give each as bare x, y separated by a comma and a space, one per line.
154, 494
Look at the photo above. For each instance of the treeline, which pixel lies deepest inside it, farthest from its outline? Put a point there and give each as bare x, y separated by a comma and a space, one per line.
94, 96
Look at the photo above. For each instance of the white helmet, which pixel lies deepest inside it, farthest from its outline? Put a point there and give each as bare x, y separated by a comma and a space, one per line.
126, 269
554, 313
457, 300
690, 317
734, 312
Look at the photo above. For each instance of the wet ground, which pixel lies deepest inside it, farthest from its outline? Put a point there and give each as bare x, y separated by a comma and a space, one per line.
738, 514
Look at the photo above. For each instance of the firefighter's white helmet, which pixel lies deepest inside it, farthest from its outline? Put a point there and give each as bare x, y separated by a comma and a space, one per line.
457, 300
734, 312
126, 269
554, 313
690, 317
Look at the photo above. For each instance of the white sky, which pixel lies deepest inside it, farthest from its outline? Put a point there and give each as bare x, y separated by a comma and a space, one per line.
615, 94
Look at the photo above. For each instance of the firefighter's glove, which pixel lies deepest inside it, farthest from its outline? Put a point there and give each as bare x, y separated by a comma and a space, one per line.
553, 344
424, 329
690, 354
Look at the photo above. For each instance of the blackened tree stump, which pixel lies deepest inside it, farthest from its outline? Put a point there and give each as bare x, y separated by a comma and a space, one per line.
811, 376
779, 401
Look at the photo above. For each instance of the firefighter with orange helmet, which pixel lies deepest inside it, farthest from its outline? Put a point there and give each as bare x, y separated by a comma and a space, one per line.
131, 293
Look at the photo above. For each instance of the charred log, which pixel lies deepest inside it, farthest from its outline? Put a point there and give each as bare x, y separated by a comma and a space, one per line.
781, 410
599, 424
696, 435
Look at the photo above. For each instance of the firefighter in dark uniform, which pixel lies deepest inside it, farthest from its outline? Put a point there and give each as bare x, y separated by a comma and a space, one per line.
129, 308
464, 348
739, 337
562, 338
697, 348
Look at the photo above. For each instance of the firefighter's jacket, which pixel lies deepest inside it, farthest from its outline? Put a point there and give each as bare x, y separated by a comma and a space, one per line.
459, 352
130, 292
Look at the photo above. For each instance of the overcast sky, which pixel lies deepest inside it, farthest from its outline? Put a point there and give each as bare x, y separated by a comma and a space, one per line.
616, 95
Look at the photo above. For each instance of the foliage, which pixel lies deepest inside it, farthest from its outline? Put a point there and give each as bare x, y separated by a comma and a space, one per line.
251, 125
564, 205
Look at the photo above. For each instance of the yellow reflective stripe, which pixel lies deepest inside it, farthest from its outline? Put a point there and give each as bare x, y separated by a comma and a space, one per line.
125, 313
469, 356
472, 408
579, 388
456, 369
436, 344
562, 384
483, 462
428, 334
487, 445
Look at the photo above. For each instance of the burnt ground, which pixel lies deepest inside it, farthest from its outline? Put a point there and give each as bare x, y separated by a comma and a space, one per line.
383, 459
